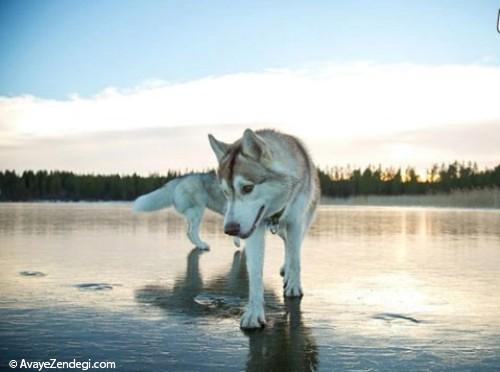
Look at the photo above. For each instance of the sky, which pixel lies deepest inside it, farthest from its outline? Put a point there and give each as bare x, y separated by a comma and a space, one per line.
129, 86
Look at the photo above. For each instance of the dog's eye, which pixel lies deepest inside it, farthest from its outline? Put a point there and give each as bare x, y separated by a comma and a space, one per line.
247, 189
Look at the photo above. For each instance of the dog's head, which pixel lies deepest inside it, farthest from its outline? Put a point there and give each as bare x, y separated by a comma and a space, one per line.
253, 187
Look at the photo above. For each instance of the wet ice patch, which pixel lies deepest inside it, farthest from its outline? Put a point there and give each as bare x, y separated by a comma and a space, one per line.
212, 300
224, 305
95, 286
389, 317
37, 274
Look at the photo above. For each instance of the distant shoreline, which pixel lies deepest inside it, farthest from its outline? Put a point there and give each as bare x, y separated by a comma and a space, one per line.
477, 198
480, 198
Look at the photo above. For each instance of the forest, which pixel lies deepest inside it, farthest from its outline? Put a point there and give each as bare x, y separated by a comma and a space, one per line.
336, 182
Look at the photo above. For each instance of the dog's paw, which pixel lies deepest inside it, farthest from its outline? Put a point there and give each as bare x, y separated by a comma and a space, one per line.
291, 285
203, 246
236, 241
254, 317
293, 291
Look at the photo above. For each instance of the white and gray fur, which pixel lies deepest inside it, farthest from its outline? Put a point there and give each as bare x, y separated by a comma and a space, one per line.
190, 195
268, 179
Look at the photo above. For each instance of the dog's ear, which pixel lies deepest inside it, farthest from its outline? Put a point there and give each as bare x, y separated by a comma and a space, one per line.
220, 148
254, 146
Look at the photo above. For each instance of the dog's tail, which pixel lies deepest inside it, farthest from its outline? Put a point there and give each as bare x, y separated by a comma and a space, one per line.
157, 199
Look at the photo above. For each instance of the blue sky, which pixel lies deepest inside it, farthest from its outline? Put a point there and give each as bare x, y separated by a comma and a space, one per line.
55, 48
135, 86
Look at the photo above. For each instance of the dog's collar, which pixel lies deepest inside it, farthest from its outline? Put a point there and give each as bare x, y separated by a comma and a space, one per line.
274, 221
275, 218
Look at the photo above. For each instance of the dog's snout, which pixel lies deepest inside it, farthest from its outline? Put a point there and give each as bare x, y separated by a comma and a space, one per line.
232, 228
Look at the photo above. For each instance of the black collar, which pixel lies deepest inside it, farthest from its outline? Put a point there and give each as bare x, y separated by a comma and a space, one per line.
273, 221
275, 218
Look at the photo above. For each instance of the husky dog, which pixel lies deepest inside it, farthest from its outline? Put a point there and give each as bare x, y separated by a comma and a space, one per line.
190, 195
269, 181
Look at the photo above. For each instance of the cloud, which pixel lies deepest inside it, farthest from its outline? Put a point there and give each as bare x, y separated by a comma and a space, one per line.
144, 151
399, 109
420, 148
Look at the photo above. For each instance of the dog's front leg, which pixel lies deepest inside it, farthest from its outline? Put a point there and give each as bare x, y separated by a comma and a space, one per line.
254, 316
293, 243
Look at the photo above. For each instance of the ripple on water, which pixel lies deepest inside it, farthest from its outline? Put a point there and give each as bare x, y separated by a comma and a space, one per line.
95, 286
392, 316
37, 274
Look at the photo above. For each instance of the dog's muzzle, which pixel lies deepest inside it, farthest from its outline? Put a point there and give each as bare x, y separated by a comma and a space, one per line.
232, 229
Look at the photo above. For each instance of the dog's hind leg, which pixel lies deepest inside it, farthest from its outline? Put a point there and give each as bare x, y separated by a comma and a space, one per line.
193, 217
291, 274
282, 235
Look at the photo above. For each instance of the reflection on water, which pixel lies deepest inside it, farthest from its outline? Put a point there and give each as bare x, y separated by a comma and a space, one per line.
222, 296
385, 289
286, 345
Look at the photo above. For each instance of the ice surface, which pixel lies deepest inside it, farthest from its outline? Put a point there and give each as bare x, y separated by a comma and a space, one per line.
386, 289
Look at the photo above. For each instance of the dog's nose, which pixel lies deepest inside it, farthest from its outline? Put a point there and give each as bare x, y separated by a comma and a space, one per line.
232, 228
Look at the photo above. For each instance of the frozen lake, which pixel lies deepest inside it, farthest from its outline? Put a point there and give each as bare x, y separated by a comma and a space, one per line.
386, 289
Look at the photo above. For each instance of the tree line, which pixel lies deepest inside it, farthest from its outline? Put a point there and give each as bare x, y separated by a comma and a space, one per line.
68, 186
346, 182
337, 182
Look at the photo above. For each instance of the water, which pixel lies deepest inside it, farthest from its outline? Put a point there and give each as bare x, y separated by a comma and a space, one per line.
386, 289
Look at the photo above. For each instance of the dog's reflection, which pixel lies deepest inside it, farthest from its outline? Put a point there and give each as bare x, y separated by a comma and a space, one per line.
188, 293
286, 344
